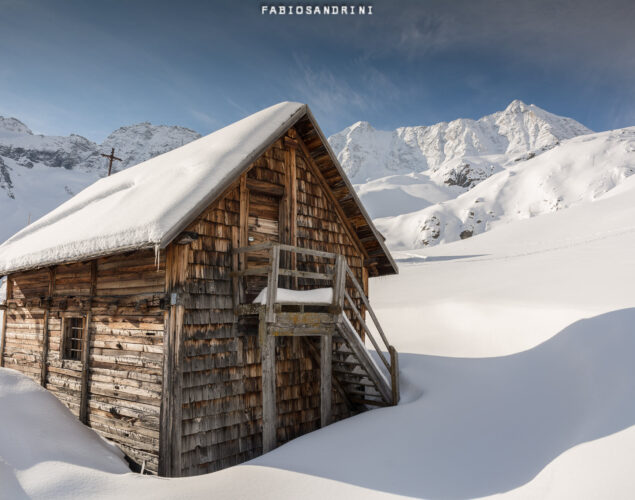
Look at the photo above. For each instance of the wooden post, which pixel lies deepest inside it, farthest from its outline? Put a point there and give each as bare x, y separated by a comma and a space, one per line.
172, 397
243, 222
289, 209
45, 334
272, 283
3, 336
394, 374
268, 363
293, 207
83, 405
339, 283
236, 280
326, 379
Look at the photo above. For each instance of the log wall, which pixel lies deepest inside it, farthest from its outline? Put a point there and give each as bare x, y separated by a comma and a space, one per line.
125, 329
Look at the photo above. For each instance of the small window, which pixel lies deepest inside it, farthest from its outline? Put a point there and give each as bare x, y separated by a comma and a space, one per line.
73, 338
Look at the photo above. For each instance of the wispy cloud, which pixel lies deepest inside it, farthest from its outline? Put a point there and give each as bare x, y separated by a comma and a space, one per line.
205, 119
322, 86
358, 91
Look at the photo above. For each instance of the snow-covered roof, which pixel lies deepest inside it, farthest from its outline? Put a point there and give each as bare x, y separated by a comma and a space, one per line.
146, 205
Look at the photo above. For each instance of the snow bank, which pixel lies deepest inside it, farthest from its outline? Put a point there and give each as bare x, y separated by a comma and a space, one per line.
144, 205
315, 296
37, 433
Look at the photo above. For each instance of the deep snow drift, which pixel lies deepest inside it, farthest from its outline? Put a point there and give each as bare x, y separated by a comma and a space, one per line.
516, 351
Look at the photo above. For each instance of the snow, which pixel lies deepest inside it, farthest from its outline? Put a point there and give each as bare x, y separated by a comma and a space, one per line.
315, 296
580, 170
366, 153
397, 172
412, 168
516, 351
39, 437
39, 173
142, 206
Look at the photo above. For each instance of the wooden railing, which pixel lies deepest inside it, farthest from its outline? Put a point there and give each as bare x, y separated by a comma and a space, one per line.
341, 278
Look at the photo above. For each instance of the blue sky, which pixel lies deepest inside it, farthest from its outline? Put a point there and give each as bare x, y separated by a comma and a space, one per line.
88, 67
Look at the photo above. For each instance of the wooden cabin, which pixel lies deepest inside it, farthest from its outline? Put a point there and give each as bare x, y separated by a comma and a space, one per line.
203, 307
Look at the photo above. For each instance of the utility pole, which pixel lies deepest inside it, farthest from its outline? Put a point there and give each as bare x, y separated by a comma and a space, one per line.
111, 157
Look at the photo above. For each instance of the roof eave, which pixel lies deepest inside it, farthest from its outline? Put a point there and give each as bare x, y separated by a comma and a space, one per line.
358, 202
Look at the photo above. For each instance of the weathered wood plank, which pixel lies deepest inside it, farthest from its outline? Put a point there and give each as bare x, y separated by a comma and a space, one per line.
45, 335
326, 366
171, 404
272, 283
268, 361
3, 334
83, 405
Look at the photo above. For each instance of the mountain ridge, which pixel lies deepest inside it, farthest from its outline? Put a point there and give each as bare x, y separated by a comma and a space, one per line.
440, 148
398, 174
39, 172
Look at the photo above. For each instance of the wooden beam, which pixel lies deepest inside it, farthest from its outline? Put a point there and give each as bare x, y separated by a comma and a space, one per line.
339, 281
358, 315
336, 383
272, 283
236, 280
3, 335
172, 396
326, 376
293, 201
394, 374
366, 303
243, 222
264, 187
301, 331
268, 364
83, 404
45, 334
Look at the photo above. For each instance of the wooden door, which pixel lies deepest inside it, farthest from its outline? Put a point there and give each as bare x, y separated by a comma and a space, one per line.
264, 225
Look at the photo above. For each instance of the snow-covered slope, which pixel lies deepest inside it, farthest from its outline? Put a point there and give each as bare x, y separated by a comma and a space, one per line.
516, 351
580, 170
39, 172
137, 143
412, 167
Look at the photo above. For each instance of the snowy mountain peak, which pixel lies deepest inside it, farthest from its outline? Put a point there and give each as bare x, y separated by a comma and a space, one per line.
442, 148
517, 106
38, 172
142, 141
13, 126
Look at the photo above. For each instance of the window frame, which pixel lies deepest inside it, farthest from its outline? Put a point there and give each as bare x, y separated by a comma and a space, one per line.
68, 328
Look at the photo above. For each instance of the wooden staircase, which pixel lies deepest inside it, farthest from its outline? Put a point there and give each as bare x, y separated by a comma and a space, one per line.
340, 324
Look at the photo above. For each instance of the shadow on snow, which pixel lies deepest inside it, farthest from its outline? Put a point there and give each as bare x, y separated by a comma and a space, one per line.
473, 427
